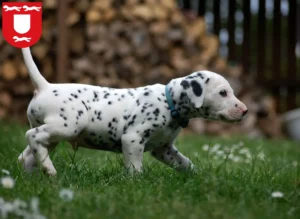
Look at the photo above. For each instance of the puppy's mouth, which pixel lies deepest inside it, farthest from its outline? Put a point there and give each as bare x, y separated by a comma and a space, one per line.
227, 120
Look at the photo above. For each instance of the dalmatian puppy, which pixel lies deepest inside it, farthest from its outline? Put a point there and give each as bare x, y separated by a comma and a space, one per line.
129, 121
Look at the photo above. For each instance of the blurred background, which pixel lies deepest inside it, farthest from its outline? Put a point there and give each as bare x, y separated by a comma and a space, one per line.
255, 44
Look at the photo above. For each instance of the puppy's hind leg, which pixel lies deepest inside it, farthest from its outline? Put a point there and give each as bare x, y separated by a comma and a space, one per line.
28, 160
24, 154
42, 139
27, 150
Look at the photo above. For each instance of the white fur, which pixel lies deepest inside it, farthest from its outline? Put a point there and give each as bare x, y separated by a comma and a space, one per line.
131, 121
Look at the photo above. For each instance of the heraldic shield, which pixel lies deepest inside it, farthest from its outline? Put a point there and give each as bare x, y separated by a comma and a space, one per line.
21, 23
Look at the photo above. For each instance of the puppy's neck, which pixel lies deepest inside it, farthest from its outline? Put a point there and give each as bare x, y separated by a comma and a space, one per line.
182, 102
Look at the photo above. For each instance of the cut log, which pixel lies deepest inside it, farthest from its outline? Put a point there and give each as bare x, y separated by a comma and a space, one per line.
9, 71
5, 99
93, 16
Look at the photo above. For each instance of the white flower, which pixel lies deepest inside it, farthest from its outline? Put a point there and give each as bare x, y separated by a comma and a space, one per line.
236, 159
244, 151
215, 148
7, 182
261, 155
231, 156
227, 149
234, 147
248, 155
277, 194
205, 147
241, 144
34, 204
295, 163
5, 171
66, 194
5, 209
19, 208
220, 153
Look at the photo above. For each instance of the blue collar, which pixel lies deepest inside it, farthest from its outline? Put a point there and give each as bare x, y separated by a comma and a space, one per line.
174, 112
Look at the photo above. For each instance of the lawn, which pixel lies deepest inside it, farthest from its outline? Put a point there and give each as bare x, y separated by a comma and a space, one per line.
236, 178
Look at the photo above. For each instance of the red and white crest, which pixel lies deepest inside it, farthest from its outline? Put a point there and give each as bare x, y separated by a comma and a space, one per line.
21, 23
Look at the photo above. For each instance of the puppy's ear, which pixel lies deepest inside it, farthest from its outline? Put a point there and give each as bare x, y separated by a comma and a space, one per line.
194, 86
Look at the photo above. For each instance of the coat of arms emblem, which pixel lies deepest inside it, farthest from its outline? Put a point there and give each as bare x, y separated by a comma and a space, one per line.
22, 23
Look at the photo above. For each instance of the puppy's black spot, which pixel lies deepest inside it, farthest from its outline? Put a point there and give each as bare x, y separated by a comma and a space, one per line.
200, 75
84, 105
146, 93
74, 95
207, 80
156, 111
65, 125
185, 84
197, 89
182, 95
95, 95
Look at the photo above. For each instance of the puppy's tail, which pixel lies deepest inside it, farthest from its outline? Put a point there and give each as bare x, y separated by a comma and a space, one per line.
37, 79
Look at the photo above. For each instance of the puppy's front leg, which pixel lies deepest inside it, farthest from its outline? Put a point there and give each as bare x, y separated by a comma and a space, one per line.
173, 158
133, 149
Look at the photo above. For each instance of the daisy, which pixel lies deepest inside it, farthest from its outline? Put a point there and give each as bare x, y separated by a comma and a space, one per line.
7, 182
277, 194
205, 147
66, 194
295, 163
215, 148
5, 171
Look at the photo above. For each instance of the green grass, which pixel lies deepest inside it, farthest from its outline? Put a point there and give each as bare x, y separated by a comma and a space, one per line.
102, 189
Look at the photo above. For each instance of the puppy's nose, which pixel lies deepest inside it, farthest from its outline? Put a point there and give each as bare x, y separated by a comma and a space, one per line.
245, 112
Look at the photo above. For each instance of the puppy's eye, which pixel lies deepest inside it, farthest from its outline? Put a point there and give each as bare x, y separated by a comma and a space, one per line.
223, 93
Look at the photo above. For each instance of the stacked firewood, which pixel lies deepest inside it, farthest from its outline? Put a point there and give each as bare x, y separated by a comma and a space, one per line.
123, 44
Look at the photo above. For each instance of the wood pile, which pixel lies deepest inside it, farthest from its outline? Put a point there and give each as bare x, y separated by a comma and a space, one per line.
122, 44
